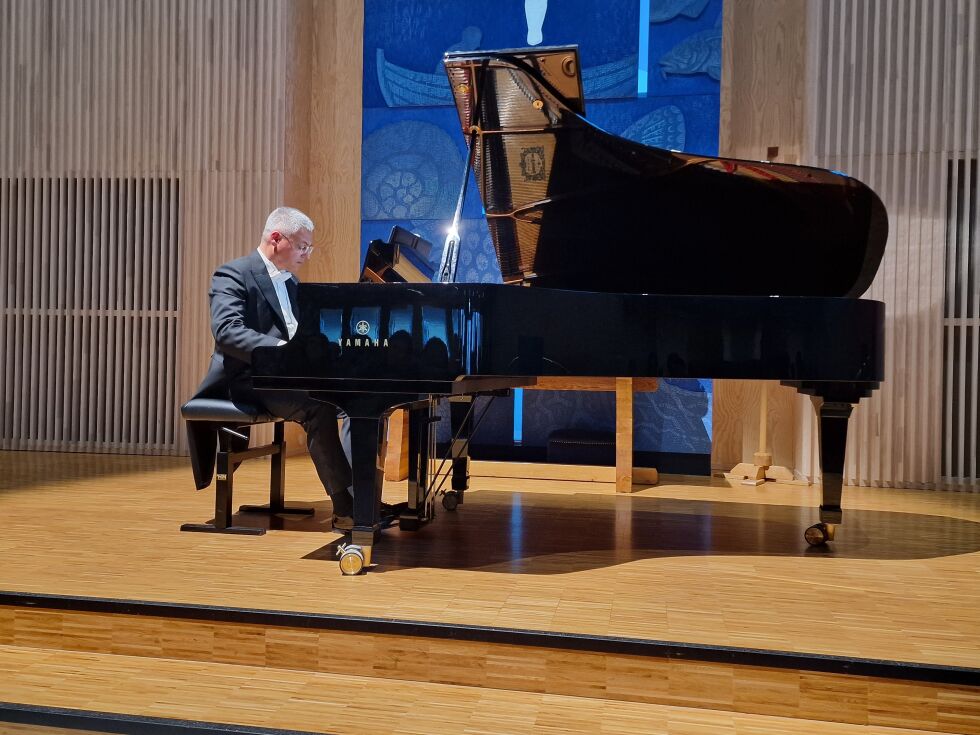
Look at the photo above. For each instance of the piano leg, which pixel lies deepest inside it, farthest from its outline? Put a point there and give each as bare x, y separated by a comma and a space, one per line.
461, 418
367, 414
833, 403
368, 477
832, 419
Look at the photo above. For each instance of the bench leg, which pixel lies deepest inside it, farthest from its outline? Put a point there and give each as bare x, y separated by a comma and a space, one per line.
223, 493
277, 472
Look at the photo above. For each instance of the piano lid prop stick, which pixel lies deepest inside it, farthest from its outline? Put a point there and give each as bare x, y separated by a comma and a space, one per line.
450, 250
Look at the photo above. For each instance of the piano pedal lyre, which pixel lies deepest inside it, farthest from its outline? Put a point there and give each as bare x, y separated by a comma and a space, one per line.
452, 497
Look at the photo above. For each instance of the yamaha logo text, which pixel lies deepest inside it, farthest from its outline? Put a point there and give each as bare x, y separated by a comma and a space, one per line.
362, 342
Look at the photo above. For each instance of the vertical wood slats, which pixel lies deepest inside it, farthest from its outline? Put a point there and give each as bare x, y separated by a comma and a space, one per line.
80, 354
141, 145
895, 104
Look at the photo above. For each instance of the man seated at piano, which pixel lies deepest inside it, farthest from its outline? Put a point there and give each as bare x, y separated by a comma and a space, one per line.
251, 302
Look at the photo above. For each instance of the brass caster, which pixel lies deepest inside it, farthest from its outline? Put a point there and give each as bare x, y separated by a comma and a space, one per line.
450, 500
351, 559
819, 534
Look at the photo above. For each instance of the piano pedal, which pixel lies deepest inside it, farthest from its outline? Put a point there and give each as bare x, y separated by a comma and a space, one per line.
413, 519
389, 515
409, 523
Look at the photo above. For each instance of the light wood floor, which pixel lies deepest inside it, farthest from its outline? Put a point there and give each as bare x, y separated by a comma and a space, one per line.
684, 561
349, 705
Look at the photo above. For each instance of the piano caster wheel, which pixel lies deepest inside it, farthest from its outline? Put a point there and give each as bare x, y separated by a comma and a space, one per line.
819, 534
450, 500
351, 559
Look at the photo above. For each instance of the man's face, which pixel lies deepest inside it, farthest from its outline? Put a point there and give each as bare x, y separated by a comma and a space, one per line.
292, 251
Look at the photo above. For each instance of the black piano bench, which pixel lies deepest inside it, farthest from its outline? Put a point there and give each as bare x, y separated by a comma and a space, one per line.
227, 419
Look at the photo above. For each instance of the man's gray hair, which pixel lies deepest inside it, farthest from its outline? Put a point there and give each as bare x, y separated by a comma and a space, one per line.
287, 221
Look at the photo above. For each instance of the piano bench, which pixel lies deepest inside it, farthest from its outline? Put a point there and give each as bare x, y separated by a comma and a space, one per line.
227, 419
582, 446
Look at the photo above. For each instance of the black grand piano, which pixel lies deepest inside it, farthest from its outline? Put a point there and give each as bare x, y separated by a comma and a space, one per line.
619, 259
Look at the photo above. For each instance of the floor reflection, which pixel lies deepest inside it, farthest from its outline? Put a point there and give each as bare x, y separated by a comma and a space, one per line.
525, 533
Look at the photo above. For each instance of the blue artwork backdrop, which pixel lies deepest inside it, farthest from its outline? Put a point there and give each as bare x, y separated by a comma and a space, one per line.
651, 71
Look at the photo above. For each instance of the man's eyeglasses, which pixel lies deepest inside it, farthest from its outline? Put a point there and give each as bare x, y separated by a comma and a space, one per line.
303, 249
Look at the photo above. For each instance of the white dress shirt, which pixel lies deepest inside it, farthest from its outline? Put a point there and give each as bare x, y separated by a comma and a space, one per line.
279, 279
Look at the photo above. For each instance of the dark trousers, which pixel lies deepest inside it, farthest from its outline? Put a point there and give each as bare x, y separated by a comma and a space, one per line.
329, 447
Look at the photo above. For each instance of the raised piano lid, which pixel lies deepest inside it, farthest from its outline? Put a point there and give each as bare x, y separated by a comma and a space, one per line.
571, 206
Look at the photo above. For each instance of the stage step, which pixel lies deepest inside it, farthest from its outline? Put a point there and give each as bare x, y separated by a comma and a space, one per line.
406, 654
158, 691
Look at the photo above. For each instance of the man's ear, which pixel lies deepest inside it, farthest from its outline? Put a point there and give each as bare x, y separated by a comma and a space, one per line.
275, 236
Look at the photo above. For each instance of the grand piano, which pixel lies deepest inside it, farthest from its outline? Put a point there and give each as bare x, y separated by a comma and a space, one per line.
619, 259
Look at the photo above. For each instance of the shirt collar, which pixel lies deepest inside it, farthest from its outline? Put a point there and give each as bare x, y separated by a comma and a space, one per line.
274, 273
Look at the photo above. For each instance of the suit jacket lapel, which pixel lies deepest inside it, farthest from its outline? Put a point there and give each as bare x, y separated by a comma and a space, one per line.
262, 278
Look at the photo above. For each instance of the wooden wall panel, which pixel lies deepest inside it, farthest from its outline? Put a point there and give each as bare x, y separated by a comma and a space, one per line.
323, 139
762, 107
335, 149
224, 97
763, 79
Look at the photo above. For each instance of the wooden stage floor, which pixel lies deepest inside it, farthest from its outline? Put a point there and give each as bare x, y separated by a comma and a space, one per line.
692, 560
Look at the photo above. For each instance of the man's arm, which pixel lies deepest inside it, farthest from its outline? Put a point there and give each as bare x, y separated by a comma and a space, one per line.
227, 296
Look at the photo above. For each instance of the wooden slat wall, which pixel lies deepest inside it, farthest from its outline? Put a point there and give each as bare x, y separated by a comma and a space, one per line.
894, 86
885, 90
89, 362
961, 318
201, 96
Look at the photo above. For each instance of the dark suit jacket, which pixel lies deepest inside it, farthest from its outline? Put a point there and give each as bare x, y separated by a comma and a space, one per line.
245, 314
